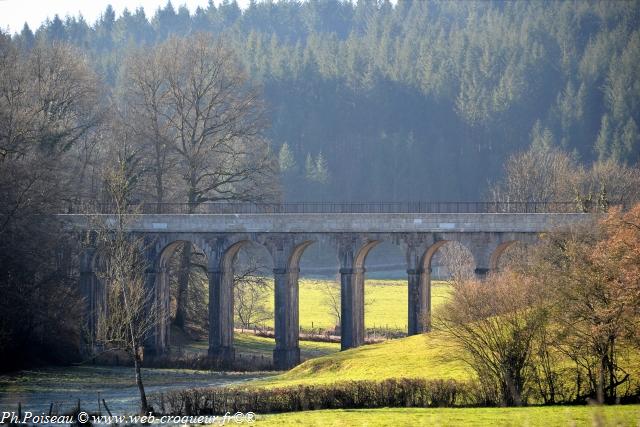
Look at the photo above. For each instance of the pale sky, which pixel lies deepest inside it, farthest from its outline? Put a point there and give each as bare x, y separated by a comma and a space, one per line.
14, 13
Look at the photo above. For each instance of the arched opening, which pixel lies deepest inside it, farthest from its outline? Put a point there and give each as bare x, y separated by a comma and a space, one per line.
510, 254
446, 261
449, 260
253, 303
352, 328
385, 292
265, 306
319, 291
182, 290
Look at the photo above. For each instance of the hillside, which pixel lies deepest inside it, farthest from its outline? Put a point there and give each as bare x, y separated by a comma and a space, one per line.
422, 356
374, 101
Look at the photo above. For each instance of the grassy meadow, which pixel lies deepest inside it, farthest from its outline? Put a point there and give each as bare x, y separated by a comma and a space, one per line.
628, 415
429, 356
386, 307
385, 299
250, 345
422, 356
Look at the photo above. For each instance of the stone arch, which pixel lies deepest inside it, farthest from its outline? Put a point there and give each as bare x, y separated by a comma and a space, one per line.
286, 254
162, 283
353, 253
361, 254
497, 253
221, 294
381, 259
522, 243
419, 286
419, 291
429, 253
388, 254
296, 254
230, 255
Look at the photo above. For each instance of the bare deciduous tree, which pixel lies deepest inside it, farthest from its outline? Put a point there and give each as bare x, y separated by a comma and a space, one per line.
495, 323
47, 106
546, 174
47, 98
202, 121
195, 316
251, 290
200, 118
130, 311
216, 122
620, 182
592, 274
540, 174
458, 261
331, 299
143, 95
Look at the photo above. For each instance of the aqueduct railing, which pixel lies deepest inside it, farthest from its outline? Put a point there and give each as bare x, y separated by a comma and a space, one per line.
337, 207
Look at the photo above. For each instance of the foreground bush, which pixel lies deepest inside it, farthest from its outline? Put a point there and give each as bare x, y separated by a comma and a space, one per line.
400, 392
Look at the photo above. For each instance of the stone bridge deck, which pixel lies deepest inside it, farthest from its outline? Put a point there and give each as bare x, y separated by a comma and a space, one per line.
343, 222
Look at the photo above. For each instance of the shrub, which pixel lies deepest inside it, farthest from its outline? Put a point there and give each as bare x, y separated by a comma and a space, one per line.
394, 392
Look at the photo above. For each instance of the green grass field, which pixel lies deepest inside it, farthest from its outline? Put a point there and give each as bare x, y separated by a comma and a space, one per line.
428, 356
386, 303
387, 307
422, 356
548, 416
251, 345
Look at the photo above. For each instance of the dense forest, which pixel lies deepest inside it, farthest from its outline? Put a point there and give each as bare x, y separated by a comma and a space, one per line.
418, 100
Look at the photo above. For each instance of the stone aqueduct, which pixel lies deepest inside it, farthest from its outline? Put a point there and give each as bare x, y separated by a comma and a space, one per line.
286, 236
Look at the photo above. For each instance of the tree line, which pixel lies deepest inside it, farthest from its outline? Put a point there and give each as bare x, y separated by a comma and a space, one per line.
369, 100
183, 127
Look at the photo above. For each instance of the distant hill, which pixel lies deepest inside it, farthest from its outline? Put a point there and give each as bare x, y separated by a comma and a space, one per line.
421, 100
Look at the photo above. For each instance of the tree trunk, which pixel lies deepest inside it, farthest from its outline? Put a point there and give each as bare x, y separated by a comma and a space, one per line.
183, 286
137, 362
160, 195
611, 398
600, 390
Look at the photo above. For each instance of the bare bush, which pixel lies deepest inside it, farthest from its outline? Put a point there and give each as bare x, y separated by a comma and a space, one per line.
592, 273
495, 323
539, 174
547, 174
331, 299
